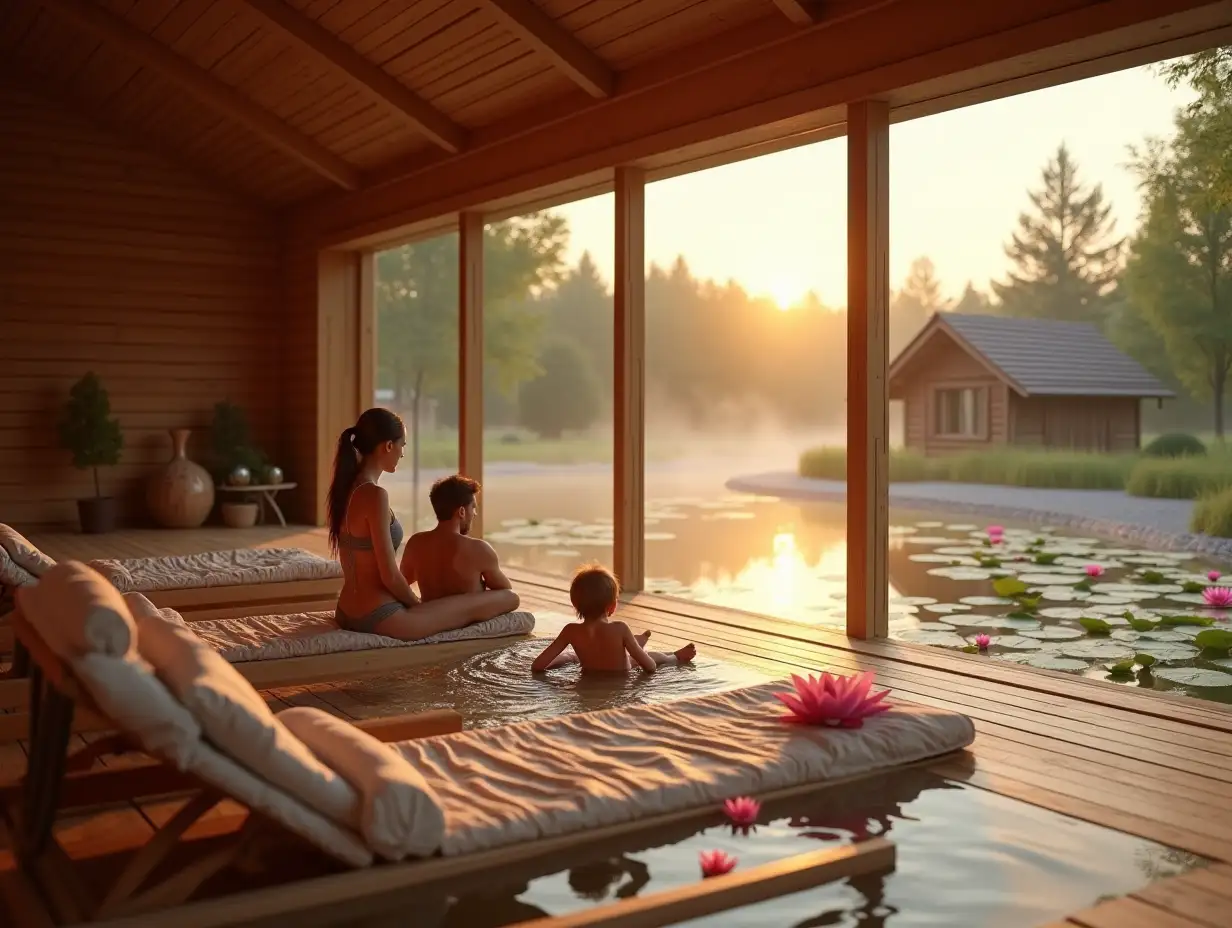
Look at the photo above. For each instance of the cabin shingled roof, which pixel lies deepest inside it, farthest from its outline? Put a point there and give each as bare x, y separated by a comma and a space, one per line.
1050, 357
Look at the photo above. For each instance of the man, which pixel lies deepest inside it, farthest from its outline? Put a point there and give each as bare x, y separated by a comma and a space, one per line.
444, 560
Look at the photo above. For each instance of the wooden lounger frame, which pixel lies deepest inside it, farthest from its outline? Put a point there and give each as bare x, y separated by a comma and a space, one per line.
53, 783
15, 695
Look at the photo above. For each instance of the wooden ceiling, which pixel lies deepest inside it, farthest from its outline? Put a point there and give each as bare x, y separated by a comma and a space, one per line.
288, 99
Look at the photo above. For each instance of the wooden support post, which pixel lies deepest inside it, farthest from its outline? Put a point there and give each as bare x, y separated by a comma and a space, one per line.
366, 301
868, 302
629, 387
470, 352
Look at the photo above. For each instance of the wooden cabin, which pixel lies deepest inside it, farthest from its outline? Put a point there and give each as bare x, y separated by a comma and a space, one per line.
971, 381
193, 192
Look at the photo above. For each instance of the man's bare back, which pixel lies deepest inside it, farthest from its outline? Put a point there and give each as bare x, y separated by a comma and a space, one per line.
445, 563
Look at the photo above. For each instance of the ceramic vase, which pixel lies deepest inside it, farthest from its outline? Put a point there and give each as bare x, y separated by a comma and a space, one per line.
181, 495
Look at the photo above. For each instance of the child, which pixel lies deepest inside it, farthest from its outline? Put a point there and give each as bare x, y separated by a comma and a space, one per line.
599, 643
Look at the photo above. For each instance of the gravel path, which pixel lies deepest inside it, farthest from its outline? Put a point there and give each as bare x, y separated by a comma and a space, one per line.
1156, 523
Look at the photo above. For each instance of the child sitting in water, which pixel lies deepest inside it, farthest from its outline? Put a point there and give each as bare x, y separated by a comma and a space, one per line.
599, 643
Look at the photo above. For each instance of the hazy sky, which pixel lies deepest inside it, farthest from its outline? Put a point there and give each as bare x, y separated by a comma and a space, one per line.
957, 184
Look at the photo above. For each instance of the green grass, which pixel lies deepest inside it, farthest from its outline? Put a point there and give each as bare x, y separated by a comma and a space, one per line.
1212, 514
1181, 478
1045, 469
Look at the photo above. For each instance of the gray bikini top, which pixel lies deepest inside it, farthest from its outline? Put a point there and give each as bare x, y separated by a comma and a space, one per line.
356, 543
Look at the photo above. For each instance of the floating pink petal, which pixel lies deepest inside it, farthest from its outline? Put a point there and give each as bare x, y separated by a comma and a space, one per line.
833, 700
1213, 575
742, 811
1094, 570
982, 642
1219, 597
716, 863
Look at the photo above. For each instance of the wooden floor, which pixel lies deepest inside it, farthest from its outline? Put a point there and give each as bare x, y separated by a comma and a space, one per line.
1148, 764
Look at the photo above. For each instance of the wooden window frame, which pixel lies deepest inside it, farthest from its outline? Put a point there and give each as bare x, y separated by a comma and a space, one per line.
983, 424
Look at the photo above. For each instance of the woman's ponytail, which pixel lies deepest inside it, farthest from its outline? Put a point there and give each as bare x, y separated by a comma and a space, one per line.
346, 469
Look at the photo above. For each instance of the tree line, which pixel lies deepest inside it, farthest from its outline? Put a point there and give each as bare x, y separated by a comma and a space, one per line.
717, 355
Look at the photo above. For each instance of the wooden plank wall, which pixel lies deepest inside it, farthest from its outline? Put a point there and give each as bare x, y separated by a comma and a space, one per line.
117, 262
943, 362
1109, 423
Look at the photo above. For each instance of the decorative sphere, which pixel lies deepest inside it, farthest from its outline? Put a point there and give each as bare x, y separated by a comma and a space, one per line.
273, 475
240, 476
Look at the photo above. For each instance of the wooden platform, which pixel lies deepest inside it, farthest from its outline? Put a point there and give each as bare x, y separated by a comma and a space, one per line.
1148, 764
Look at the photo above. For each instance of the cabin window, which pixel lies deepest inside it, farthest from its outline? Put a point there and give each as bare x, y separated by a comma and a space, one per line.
961, 412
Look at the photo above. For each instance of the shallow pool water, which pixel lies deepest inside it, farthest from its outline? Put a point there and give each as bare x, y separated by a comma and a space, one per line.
966, 857
496, 687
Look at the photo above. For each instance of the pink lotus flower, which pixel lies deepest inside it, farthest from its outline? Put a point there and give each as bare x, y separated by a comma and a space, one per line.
1219, 597
994, 530
1094, 570
716, 863
832, 700
996, 540
1213, 575
742, 811
982, 642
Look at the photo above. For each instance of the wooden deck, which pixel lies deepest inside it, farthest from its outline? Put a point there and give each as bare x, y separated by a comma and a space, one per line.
1152, 765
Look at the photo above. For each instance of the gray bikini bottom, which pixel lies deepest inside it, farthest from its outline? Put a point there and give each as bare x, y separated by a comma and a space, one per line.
367, 623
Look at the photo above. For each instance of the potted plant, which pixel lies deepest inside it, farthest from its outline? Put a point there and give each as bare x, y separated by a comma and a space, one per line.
236, 463
95, 440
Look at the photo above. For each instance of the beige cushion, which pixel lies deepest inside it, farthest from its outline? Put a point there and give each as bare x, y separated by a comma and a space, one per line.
126, 689
12, 574
140, 606
78, 612
23, 553
400, 815
236, 720
129, 693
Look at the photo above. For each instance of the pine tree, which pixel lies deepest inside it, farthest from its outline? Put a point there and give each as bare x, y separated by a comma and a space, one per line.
972, 301
915, 304
1065, 256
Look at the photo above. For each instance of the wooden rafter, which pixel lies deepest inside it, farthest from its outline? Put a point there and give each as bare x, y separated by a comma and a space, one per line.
580, 64
150, 53
800, 12
368, 77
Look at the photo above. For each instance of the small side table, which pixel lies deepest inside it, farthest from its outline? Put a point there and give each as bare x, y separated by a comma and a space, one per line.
265, 494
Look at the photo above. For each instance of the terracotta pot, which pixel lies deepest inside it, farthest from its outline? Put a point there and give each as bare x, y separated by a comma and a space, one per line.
239, 515
181, 495
98, 514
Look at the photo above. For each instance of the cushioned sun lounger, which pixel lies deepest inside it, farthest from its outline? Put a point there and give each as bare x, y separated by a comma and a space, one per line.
212, 584
292, 650
474, 800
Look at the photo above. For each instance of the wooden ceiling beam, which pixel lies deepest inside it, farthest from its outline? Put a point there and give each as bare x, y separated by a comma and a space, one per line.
229, 102
898, 48
582, 66
327, 48
800, 12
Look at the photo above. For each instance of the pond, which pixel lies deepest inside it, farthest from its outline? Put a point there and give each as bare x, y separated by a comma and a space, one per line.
965, 856
788, 560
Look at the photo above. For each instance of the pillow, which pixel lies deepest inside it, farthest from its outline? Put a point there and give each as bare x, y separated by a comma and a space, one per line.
126, 689
13, 574
236, 720
400, 816
24, 554
140, 606
78, 612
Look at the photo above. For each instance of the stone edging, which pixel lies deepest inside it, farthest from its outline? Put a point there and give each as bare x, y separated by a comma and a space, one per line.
1129, 532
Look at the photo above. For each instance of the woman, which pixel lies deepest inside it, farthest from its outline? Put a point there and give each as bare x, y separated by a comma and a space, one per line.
364, 533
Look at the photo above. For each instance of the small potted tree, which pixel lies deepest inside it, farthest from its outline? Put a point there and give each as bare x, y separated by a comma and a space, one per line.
94, 439
236, 463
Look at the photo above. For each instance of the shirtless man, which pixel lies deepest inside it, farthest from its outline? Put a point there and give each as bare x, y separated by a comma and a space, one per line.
444, 560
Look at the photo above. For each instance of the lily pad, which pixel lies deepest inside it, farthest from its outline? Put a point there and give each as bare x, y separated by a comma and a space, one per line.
1009, 586
942, 639
1057, 579
943, 559
1053, 633
1095, 626
1017, 643
1217, 639
946, 608
1167, 652
986, 601
1052, 662
1064, 612
1173, 621
1121, 668
1194, 676
961, 573
913, 600
1096, 649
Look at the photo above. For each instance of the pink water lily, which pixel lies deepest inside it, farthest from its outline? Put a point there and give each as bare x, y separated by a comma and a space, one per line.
1218, 597
742, 811
1094, 570
982, 642
1213, 575
994, 530
716, 863
833, 700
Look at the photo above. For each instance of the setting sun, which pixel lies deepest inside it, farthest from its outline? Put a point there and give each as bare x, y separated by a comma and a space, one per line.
787, 294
